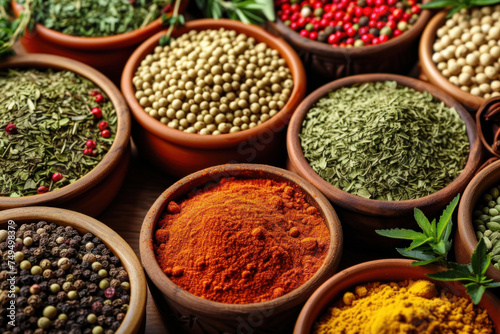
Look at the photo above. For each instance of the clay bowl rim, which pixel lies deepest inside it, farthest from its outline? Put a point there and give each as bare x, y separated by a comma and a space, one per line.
475, 189
371, 206
110, 160
354, 52
207, 307
93, 43
181, 138
430, 70
379, 270
83, 223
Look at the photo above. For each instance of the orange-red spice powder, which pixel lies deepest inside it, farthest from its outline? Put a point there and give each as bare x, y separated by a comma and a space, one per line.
242, 241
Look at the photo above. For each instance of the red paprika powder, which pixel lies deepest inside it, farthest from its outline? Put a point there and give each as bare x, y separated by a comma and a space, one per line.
242, 241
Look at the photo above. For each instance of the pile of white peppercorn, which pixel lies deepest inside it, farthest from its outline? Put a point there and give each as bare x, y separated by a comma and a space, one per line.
467, 50
213, 82
60, 282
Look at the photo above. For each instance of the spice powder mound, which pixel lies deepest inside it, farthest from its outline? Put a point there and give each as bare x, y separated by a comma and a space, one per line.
242, 241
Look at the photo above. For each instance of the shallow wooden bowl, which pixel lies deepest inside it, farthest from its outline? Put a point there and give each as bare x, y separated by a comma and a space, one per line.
397, 55
431, 72
92, 193
273, 316
380, 270
134, 321
361, 216
179, 153
107, 54
465, 237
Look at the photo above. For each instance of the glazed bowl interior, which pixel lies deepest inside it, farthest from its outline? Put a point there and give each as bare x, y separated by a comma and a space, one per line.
373, 207
160, 130
110, 160
133, 321
209, 177
389, 270
466, 240
433, 74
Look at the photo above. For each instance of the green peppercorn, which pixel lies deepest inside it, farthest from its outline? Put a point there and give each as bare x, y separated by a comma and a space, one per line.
97, 330
18, 256
43, 323
72, 295
62, 316
107, 302
103, 273
103, 284
28, 241
45, 264
55, 288
64, 263
50, 312
67, 286
25, 265
125, 286
3, 235
70, 278
36, 270
17, 289
92, 318
386, 31
96, 266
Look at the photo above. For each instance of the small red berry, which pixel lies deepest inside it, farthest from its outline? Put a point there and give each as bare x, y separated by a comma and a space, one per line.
99, 98
415, 9
94, 93
104, 125
42, 189
304, 33
57, 177
106, 133
11, 129
109, 292
87, 151
396, 32
391, 24
91, 143
351, 32
96, 112
383, 38
313, 35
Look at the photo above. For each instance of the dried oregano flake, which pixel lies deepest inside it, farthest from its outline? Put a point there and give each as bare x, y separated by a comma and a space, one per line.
384, 141
52, 113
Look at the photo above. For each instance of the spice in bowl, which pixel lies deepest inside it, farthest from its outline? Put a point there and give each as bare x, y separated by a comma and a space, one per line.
349, 23
55, 127
486, 220
409, 306
65, 282
213, 82
384, 141
95, 18
242, 241
467, 51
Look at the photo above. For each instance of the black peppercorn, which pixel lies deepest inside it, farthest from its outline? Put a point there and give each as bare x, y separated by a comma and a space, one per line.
125, 299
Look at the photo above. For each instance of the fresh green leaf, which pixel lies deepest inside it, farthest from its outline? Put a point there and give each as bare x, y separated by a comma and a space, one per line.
423, 263
439, 4
475, 291
445, 218
449, 275
417, 242
423, 222
400, 233
440, 248
480, 259
416, 254
484, 2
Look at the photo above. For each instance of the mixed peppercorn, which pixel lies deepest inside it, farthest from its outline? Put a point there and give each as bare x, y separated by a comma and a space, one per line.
65, 282
349, 23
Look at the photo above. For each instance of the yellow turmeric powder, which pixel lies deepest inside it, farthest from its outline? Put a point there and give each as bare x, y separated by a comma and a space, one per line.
404, 307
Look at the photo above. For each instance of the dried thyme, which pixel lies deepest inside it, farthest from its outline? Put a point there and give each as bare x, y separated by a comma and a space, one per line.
50, 132
97, 18
385, 142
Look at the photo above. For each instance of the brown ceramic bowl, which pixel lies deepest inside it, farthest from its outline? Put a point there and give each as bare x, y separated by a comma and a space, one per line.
397, 55
430, 70
180, 153
363, 216
273, 316
465, 237
390, 270
107, 54
134, 321
92, 193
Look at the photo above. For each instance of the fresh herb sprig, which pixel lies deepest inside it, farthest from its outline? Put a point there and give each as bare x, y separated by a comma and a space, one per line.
246, 11
12, 30
457, 5
432, 246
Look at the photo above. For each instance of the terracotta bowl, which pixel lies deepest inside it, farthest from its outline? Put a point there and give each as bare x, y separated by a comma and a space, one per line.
92, 193
397, 55
179, 153
361, 216
273, 316
465, 237
380, 270
134, 321
107, 54
487, 129
431, 72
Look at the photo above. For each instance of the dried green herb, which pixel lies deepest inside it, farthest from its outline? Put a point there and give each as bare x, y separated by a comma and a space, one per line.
385, 142
51, 114
95, 18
